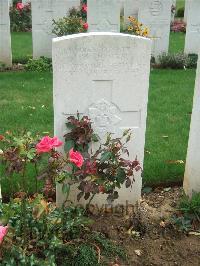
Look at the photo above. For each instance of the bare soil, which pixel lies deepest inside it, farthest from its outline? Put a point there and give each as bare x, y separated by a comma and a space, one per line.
148, 236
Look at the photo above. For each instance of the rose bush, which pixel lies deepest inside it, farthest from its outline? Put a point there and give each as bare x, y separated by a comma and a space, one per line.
20, 17
76, 22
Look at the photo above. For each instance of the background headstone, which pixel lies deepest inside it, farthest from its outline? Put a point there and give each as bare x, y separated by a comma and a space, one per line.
131, 8
192, 38
156, 15
192, 169
5, 37
103, 15
186, 10
43, 12
122, 7
104, 75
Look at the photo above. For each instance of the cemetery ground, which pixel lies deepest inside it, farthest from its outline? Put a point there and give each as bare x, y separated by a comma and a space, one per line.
149, 237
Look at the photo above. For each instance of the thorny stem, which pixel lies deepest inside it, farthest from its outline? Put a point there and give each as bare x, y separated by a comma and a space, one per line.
23, 175
88, 204
36, 180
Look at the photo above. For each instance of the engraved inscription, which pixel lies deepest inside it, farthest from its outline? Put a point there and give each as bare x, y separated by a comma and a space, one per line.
195, 28
156, 7
2, 16
105, 117
103, 25
90, 61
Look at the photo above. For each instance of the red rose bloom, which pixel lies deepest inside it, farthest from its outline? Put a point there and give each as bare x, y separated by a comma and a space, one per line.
84, 8
101, 189
20, 6
47, 144
76, 158
85, 25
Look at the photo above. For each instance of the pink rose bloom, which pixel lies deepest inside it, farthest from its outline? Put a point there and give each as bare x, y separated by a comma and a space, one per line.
3, 232
84, 8
47, 144
85, 25
76, 158
20, 6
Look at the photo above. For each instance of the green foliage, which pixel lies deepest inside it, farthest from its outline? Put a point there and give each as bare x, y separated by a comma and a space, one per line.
67, 25
86, 255
39, 65
74, 23
2, 67
109, 249
191, 206
192, 61
17, 155
20, 19
177, 61
180, 12
188, 216
42, 234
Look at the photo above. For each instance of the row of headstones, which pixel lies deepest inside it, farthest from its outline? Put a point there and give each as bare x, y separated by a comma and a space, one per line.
103, 15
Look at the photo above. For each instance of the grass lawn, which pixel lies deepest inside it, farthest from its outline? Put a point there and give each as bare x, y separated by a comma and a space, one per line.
21, 46
26, 102
180, 3
177, 42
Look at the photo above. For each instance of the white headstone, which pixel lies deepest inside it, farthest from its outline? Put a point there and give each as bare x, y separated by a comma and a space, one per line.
131, 8
43, 12
106, 76
186, 10
5, 38
156, 15
192, 39
122, 2
103, 15
192, 170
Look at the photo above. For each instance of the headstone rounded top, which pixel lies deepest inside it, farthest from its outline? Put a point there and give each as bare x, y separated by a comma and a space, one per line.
108, 34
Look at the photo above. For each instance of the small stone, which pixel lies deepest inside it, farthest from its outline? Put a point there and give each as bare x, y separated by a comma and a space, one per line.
138, 252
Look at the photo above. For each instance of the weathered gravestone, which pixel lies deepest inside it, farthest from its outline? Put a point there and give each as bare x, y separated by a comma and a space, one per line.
131, 8
5, 38
43, 13
156, 15
192, 169
192, 39
106, 76
103, 15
